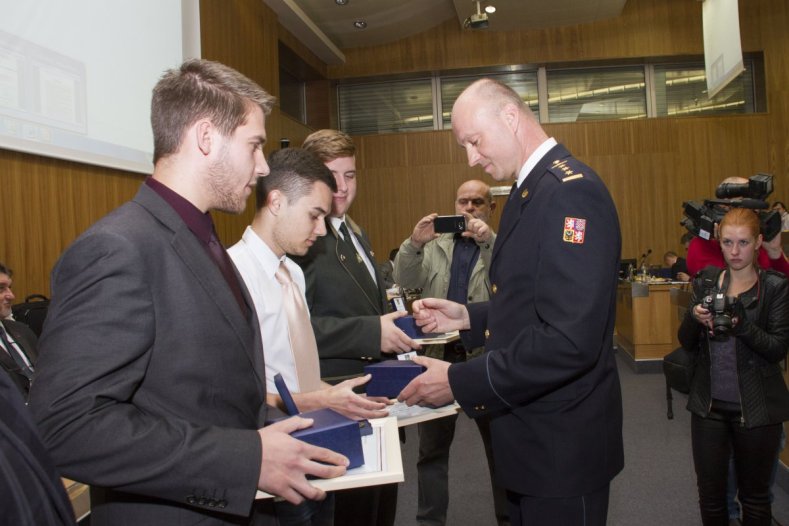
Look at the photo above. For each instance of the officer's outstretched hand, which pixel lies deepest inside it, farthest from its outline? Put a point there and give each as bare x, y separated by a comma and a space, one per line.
430, 388
437, 315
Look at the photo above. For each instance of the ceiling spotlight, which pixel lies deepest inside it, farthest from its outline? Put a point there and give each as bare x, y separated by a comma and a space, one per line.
359, 24
478, 20
341, 2
490, 9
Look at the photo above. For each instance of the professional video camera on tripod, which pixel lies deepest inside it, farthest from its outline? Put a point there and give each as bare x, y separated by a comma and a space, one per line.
700, 218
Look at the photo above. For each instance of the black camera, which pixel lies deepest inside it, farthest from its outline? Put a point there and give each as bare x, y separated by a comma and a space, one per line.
722, 309
451, 224
700, 218
759, 186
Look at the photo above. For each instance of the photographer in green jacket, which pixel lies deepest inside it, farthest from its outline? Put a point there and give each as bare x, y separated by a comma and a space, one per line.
452, 266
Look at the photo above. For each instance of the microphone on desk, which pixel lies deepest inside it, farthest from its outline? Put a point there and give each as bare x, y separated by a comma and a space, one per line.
644, 257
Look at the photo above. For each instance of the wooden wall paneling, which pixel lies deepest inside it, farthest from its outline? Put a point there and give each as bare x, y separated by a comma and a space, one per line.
645, 28
242, 34
47, 203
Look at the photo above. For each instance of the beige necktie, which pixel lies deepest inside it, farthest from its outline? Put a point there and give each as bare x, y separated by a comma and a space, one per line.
302, 339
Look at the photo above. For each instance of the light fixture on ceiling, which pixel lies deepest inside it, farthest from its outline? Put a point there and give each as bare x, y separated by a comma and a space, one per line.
341, 2
490, 9
478, 20
359, 24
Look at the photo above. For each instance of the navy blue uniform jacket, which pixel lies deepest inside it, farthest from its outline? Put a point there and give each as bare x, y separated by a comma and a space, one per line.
548, 378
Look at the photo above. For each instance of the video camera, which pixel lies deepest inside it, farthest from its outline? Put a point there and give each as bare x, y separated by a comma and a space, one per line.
700, 218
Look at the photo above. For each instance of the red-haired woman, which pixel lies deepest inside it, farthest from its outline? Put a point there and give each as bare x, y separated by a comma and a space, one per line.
738, 325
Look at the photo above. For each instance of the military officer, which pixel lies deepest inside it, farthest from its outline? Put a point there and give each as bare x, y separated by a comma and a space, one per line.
548, 378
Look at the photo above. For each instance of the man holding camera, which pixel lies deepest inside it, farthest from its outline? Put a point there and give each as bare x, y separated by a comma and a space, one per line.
449, 259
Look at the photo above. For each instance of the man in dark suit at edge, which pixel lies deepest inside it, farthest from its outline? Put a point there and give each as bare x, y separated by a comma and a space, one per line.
548, 378
150, 385
347, 301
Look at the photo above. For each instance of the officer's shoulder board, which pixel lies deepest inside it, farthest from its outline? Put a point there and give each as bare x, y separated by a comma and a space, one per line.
566, 170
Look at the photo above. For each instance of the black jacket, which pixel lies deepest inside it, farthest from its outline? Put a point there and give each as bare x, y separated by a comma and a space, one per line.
762, 342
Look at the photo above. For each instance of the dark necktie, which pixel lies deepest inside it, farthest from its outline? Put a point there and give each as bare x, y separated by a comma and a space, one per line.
24, 368
222, 260
346, 236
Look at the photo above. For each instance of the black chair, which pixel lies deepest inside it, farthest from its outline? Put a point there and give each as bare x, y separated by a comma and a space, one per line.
32, 312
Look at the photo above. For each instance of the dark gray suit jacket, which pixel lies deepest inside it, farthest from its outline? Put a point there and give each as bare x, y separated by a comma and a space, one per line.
150, 384
26, 339
344, 303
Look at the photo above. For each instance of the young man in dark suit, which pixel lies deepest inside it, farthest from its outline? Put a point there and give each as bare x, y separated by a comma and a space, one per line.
150, 386
548, 378
347, 300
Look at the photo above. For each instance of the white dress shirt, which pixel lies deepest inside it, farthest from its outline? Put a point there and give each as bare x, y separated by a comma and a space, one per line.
534, 158
257, 265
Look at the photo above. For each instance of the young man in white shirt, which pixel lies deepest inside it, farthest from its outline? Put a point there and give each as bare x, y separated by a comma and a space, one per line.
292, 203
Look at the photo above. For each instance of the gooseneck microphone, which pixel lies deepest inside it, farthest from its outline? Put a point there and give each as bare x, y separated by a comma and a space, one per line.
644, 257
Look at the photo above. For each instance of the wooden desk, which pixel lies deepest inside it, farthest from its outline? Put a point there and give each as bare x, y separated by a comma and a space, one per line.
79, 495
647, 318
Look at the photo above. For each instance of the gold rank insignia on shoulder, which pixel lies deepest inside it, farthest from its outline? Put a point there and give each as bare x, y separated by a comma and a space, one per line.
568, 172
574, 230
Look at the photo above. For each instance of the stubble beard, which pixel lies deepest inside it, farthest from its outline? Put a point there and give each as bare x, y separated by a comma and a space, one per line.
220, 183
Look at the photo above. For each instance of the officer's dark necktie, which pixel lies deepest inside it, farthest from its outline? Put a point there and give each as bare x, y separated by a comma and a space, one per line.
24, 368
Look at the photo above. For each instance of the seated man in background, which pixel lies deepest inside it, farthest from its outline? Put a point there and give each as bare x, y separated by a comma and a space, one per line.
452, 266
292, 202
18, 344
678, 267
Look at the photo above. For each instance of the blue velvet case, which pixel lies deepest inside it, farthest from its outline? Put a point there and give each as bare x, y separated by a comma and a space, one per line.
334, 431
391, 376
408, 325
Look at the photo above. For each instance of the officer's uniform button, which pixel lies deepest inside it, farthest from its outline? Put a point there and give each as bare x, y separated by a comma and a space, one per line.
487, 334
494, 288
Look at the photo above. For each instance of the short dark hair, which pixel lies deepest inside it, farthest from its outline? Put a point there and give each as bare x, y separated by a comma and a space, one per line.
198, 89
5, 270
293, 172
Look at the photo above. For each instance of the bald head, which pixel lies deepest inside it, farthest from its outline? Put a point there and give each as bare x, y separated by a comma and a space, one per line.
474, 198
496, 128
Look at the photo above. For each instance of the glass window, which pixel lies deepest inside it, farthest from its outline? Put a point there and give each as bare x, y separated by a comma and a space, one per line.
524, 83
386, 107
291, 96
596, 93
681, 89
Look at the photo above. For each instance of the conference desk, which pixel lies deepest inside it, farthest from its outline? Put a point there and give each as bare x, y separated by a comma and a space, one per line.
79, 495
648, 315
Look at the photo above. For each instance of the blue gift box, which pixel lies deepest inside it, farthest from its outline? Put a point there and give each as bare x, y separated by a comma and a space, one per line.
408, 325
333, 431
391, 376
